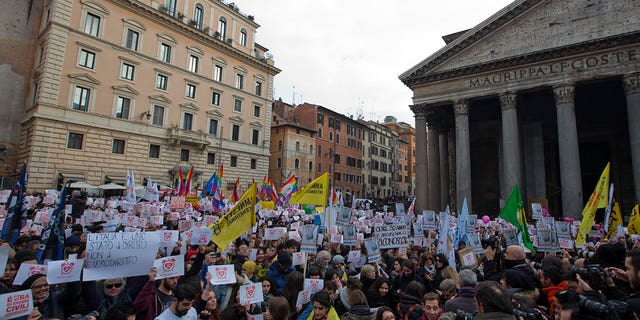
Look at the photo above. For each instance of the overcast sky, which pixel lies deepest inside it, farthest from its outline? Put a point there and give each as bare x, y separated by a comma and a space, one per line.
347, 55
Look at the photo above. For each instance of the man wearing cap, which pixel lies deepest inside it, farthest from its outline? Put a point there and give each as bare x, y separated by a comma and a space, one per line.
72, 246
279, 270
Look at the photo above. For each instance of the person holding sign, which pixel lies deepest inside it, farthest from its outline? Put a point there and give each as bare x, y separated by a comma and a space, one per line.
152, 300
181, 306
50, 305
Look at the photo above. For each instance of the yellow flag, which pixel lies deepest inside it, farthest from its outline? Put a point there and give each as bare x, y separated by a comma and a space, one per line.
632, 228
615, 220
598, 199
237, 221
315, 192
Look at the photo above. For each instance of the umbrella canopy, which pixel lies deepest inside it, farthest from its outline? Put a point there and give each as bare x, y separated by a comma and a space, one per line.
81, 185
111, 186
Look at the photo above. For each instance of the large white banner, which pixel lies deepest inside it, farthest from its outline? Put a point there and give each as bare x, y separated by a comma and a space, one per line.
392, 236
120, 254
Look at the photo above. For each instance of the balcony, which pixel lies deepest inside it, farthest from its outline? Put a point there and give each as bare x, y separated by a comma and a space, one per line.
177, 136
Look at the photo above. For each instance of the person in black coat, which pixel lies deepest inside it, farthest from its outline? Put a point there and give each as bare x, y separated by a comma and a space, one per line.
379, 294
410, 305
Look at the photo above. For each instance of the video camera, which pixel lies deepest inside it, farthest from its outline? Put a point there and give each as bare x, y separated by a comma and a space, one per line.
586, 254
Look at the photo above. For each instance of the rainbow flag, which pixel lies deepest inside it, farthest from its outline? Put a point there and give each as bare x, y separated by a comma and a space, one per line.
288, 187
186, 187
271, 190
179, 186
234, 194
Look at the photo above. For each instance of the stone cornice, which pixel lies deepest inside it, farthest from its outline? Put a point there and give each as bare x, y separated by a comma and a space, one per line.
416, 78
195, 34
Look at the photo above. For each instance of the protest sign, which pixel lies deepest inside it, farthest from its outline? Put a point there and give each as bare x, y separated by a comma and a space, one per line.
251, 293
392, 235
373, 250
349, 235
16, 304
429, 220
344, 216
354, 256
314, 285
27, 270
168, 238
309, 239
169, 267
201, 236
295, 236
222, 274
63, 271
119, 254
536, 211
4, 256
255, 316
275, 233
335, 238
304, 297
298, 258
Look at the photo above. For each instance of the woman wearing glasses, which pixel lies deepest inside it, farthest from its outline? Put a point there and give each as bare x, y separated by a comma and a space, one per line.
112, 293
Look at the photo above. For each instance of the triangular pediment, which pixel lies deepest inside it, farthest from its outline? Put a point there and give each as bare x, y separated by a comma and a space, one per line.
527, 27
256, 124
160, 98
189, 106
125, 89
84, 78
237, 119
215, 114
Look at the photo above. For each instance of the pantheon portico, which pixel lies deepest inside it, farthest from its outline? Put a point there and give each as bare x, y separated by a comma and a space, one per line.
542, 94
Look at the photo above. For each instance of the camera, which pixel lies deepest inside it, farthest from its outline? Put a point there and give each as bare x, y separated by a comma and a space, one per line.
527, 314
461, 315
586, 254
537, 265
591, 273
614, 309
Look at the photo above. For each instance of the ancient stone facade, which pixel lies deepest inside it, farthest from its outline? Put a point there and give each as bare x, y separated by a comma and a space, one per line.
542, 94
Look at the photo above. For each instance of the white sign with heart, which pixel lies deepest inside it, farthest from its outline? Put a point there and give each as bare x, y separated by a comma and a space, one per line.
298, 258
169, 267
222, 274
27, 270
63, 271
251, 293
314, 285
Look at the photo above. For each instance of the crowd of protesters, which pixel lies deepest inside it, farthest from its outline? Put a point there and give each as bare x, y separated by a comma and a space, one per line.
413, 283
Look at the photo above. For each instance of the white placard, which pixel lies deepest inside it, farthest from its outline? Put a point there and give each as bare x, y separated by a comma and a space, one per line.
169, 267
298, 258
253, 252
315, 285
168, 238
201, 236
392, 235
27, 270
373, 251
309, 238
222, 274
4, 257
295, 236
255, 316
304, 296
536, 211
251, 293
63, 271
119, 254
16, 304
354, 256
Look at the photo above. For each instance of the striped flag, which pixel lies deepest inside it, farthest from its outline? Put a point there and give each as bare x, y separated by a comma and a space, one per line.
16, 213
187, 184
288, 188
56, 226
179, 186
234, 194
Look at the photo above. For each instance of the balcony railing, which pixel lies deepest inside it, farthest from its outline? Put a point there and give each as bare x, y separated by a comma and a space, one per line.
177, 136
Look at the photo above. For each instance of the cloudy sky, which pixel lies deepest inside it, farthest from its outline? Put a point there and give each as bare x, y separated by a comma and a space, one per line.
347, 55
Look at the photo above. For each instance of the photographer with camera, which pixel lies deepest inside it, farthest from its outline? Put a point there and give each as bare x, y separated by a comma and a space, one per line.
552, 282
632, 275
490, 265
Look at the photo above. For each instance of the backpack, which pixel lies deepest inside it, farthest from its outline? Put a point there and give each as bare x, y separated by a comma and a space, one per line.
405, 316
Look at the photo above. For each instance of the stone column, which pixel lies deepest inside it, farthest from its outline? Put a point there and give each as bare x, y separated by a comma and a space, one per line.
420, 189
570, 173
444, 168
510, 143
632, 90
433, 160
463, 153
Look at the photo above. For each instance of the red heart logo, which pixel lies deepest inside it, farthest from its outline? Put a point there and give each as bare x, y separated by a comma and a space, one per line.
203, 238
66, 267
221, 273
130, 219
35, 270
305, 296
168, 264
314, 285
167, 236
251, 290
272, 232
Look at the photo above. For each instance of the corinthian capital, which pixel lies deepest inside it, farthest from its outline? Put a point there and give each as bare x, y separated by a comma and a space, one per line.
631, 83
419, 111
564, 93
461, 107
507, 100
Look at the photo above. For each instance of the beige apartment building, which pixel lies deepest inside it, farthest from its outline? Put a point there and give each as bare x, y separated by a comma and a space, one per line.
147, 85
378, 159
406, 153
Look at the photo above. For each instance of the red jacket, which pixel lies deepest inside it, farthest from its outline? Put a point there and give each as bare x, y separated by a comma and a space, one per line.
551, 294
148, 302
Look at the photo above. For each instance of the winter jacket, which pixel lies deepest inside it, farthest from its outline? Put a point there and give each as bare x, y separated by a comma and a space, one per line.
278, 277
411, 307
551, 294
331, 315
359, 312
148, 302
463, 301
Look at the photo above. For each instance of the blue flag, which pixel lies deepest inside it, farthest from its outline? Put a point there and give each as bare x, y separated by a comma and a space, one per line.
56, 225
461, 230
16, 213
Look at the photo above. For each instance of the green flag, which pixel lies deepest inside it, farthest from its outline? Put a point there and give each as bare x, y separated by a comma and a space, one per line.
513, 211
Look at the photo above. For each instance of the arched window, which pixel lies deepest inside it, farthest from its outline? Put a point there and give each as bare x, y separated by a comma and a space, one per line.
310, 165
198, 14
279, 145
297, 145
243, 37
297, 164
222, 28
